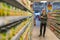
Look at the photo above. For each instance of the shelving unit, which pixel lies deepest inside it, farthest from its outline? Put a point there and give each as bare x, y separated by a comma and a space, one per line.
54, 23
20, 32
14, 3
16, 20
10, 19
30, 10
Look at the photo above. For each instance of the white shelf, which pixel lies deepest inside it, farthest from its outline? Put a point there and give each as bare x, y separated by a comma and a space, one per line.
20, 32
9, 19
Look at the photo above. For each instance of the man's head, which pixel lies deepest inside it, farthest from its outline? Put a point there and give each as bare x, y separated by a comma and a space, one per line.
44, 11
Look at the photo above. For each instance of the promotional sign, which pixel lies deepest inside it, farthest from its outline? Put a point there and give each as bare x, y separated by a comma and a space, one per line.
49, 6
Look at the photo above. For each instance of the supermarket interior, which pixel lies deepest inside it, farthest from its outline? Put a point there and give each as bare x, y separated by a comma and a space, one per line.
21, 19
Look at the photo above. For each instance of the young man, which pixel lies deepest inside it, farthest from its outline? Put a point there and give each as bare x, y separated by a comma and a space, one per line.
43, 24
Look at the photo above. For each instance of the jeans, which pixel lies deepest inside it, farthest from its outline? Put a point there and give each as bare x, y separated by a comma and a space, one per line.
41, 27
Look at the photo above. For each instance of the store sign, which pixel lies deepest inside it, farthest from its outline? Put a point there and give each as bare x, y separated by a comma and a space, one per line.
49, 7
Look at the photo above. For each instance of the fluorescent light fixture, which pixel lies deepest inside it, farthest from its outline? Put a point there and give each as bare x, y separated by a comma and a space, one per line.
43, 1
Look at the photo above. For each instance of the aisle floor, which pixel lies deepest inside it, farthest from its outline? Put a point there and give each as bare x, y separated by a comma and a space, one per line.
49, 35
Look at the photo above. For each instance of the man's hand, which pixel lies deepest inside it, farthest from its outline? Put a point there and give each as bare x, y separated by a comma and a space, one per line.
42, 17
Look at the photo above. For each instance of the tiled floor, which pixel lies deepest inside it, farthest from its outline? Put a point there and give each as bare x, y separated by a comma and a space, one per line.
49, 35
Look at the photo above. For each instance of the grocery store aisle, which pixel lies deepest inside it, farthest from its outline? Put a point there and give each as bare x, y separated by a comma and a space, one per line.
49, 35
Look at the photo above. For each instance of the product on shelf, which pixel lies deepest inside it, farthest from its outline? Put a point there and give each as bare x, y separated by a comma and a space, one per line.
56, 11
20, 26
3, 36
25, 34
21, 38
54, 22
6, 11
11, 33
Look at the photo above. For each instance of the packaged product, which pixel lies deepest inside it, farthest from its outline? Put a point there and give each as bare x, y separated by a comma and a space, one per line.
11, 33
3, 36
21, 38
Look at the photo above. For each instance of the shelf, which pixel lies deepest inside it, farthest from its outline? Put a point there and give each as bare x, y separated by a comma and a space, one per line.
24, 6
54, 12
26, 31
55, 16
55, 28
10, 19
55, 32
16, 4
20, 32
9, 26
55, 21
5, 28
55, 24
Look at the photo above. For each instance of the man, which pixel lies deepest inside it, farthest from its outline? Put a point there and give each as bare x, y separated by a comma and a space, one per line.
43, 24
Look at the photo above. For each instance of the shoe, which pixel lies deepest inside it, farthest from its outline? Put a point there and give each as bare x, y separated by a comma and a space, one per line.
40, 35
43, 35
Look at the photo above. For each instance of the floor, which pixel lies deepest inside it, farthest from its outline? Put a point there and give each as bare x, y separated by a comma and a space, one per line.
49, 34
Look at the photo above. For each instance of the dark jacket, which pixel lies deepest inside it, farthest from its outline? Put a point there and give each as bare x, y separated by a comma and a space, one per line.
44, 19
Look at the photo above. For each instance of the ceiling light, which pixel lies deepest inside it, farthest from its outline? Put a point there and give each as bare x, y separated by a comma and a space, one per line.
43, 1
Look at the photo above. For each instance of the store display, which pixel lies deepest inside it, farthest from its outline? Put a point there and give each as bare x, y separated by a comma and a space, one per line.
54, 22
14, 21
25, 35
14, 30
26, 4
7, 10
49, 7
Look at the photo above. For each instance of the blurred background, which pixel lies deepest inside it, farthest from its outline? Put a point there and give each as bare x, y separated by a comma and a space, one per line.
19, 19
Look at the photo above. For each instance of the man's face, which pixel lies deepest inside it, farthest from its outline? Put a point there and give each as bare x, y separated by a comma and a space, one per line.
44, 12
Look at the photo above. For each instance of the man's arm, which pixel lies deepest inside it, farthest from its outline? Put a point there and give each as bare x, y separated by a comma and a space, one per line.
45, 17
41, 16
